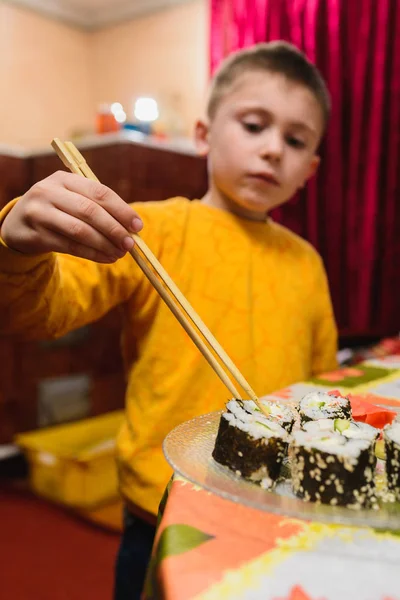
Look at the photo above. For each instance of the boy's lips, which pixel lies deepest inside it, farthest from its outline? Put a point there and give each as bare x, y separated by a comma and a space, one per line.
266, 177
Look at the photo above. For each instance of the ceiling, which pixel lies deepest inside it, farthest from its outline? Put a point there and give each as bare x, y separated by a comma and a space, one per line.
92, 14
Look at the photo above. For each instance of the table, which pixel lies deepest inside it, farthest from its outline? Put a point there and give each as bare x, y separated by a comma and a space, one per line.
209, 548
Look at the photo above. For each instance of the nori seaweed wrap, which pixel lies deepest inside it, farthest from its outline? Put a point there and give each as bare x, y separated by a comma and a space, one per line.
329, 468
250, 444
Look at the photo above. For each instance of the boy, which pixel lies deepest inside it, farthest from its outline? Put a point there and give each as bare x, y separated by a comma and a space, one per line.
260, 289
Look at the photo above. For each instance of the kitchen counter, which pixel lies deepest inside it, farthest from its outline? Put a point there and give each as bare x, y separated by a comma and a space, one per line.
180, 145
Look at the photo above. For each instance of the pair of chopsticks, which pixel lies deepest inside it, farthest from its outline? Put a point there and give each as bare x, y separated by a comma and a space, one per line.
169, 292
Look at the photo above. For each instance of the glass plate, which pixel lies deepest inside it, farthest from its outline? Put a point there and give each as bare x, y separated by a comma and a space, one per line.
188, 450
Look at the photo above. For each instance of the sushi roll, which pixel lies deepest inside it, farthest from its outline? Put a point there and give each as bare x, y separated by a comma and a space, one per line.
346, 427
250, 444
329, 468
281, 413
319, 405
391, 436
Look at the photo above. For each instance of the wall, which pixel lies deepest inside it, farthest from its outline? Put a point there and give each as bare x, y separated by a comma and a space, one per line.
52, 76
164, 55
45, 78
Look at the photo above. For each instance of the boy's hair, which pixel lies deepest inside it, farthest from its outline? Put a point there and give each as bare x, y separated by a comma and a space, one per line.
274, 57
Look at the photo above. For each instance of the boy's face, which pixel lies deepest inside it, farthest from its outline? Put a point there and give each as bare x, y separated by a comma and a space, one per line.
261, 143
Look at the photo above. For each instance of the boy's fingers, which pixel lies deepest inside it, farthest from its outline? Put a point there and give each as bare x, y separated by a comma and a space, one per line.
89, 213
59, 243
77, 231
106, 198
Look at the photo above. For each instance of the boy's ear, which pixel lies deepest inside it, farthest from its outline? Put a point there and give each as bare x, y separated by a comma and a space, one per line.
312, 169
201, 133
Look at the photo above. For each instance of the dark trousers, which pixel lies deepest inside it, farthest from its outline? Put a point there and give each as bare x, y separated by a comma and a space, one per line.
133, 558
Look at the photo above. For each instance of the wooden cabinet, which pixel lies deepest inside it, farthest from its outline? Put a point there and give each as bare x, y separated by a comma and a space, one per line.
137, 173
14, 177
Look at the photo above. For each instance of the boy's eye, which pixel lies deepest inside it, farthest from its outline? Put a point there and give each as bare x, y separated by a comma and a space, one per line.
295, 142
252, 127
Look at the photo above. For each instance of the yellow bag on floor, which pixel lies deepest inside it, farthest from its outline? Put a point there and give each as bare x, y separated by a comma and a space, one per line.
74, 464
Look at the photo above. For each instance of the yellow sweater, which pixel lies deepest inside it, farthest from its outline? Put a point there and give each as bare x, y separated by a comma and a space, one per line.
261, 290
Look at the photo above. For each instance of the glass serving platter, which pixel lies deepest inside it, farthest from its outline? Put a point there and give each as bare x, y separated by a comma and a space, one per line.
188, 449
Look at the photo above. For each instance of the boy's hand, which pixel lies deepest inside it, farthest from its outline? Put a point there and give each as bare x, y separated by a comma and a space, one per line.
74, 215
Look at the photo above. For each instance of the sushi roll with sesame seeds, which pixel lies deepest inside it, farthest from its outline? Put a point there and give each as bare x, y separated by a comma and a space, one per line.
391, 436
279, 412
331, 469
250, 444
319, 405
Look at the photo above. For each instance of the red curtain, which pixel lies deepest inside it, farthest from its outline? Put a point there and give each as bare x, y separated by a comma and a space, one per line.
351, 211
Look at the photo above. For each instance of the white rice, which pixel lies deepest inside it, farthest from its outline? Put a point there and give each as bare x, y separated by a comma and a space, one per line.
356, 430
331, 443
392, 432
278, 411
256, 425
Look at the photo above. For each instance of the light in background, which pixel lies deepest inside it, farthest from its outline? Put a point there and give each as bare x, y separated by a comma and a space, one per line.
146, 109
118, 112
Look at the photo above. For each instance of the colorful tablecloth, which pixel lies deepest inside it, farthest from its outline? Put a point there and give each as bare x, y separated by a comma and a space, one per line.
209, 548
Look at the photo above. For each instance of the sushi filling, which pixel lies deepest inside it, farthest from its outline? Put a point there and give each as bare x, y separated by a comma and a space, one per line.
319, 405
280, 413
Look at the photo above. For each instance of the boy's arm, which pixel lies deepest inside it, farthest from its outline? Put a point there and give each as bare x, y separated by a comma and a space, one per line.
325, 330
49, 295
46, 293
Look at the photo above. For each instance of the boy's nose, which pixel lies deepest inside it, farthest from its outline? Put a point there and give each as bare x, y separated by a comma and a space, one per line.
272, 146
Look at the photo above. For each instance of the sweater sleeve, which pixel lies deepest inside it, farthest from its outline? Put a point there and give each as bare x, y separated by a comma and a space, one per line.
325, 330
46, 296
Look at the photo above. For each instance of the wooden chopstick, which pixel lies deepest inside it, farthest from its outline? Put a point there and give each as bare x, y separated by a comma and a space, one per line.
159, 269
72, 159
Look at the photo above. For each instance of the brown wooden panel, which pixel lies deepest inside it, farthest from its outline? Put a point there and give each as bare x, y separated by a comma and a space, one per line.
7, 406
108, 393
137, 172
44, 165
159, 174
14, 178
